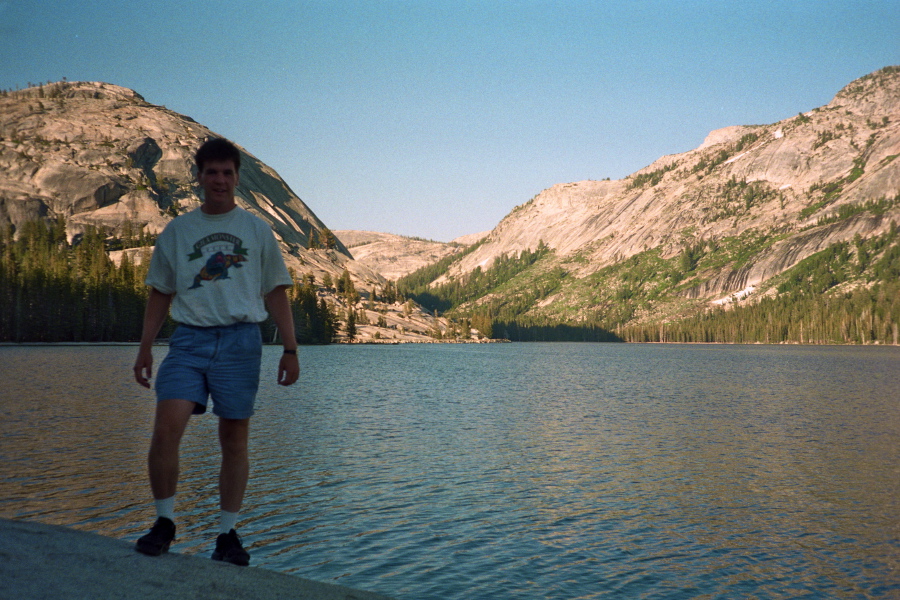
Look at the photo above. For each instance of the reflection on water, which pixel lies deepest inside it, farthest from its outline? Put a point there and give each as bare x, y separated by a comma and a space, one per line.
503, 471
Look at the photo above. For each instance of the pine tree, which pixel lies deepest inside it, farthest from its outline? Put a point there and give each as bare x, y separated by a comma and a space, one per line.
328, 239
351, 324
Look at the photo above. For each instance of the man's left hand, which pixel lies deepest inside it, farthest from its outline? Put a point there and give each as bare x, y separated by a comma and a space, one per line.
288, 369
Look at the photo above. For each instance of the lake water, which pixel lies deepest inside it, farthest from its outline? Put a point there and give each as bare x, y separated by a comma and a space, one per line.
502, 471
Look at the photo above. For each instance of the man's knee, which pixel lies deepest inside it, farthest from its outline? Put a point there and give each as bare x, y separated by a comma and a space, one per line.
233, 436
172, 417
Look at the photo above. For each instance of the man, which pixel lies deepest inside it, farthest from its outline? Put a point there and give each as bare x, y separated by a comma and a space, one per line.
218, 268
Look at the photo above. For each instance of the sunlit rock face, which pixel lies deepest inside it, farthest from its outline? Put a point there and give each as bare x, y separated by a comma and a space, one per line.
778, 180
394, 256
99, 154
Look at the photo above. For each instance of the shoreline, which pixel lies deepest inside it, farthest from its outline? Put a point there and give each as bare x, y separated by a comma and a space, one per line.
391, 342
165, 342
52, 561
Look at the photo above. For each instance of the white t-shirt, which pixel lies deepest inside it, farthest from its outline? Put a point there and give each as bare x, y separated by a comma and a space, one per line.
218, 266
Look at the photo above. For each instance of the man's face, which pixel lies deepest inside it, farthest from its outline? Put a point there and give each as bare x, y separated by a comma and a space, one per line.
218, 180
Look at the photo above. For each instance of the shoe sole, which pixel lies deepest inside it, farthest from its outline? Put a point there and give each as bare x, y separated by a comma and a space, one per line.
239, 562
152, 550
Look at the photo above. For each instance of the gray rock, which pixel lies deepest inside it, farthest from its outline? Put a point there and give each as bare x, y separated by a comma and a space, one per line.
393, 256
682, 199
49, 562
76, 148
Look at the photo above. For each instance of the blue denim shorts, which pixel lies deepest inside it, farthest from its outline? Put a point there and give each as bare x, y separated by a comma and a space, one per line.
221, 363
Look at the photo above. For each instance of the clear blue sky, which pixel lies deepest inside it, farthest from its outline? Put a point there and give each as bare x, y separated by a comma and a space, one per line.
434, 118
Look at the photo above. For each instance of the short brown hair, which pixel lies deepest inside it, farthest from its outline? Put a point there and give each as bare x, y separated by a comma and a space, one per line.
217, 149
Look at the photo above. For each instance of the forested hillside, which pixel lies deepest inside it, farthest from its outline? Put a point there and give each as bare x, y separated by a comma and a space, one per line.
87, 168
767, 233
774, 233
54, 291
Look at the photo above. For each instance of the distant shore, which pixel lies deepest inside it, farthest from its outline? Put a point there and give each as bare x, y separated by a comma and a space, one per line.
384, 342
387, 342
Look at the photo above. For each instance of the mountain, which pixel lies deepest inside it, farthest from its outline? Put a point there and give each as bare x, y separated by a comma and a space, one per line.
393, 256
100, 157
781, 232
722, 224
99, 154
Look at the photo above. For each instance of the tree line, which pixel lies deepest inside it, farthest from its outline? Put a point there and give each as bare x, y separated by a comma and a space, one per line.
476, 284
52, 290
502, 316
864, 316
849, 293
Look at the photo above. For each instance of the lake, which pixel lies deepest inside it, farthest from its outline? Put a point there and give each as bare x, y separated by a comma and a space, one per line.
501, 471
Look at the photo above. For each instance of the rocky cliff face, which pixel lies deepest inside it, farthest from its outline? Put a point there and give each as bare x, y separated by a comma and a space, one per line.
393, 256
764, 197
782, 180
98, 154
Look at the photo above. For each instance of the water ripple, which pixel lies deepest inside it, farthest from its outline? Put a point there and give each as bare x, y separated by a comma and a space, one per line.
558, 471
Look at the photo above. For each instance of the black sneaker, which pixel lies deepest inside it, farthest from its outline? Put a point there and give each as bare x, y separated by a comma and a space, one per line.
229, 549
158, 539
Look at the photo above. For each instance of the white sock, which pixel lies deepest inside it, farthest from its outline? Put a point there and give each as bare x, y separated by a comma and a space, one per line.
227, 521
166, 508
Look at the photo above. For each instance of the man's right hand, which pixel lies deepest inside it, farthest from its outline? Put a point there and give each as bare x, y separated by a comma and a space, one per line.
143, 368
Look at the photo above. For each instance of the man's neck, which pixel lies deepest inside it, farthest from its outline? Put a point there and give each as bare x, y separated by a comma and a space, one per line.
217, 209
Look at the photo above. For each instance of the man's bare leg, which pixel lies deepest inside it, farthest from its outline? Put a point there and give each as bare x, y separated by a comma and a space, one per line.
172, 417
233, 437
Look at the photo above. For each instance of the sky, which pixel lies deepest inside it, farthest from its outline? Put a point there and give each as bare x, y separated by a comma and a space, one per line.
435, 119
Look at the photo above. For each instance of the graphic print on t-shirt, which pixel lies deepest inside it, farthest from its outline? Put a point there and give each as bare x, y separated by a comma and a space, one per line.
221, 251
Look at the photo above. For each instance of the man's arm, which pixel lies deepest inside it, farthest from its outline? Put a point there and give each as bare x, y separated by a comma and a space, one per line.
154, 317
280, 309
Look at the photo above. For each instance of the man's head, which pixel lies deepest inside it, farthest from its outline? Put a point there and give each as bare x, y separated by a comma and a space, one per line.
217, 149
218, 162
